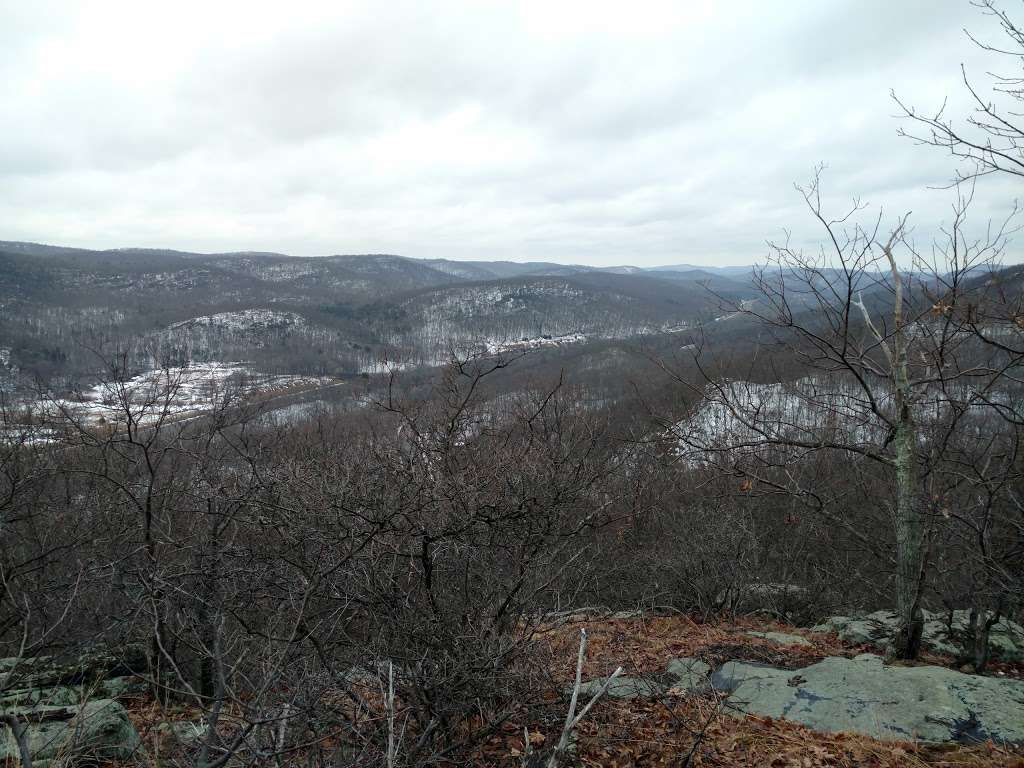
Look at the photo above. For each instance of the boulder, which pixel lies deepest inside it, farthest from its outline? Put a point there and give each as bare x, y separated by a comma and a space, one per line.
69, 704
1006, 640
68, 695
58, 696
97, 731
686, 674
863, 695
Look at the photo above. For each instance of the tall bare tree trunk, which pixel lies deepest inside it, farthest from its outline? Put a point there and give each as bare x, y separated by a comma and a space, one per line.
909, 524
208, 606
909, 543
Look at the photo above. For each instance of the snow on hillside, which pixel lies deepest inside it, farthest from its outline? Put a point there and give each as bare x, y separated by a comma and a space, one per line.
252, 320
394, 366
459, 270
748, 414
494, 347
465, 349
279, 340
470, 302
275, 271
744, 417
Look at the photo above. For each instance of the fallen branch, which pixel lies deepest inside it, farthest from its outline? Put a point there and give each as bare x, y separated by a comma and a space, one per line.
572, 719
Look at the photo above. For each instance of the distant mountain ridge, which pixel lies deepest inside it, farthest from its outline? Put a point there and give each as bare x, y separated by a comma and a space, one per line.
470, 269
338, 314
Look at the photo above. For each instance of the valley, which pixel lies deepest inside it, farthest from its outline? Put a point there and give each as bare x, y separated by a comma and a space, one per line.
512, 385
70, 317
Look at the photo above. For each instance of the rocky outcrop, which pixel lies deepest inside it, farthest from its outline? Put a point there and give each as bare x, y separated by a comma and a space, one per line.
623, 687
1006, 639
865, 696
67, 706
861, 695
95, 731
184, 732
51, 671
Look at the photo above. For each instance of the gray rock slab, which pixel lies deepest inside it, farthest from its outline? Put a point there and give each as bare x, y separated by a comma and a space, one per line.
865, 696
72, 695
58, 696
688, 673
684, 673
622, 687
782, 638
47, 671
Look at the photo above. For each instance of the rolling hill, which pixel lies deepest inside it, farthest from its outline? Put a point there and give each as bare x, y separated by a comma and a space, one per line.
333, 314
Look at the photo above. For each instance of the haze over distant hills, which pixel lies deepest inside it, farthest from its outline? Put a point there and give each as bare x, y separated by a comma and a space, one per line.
339, 314
462, 268
342, 315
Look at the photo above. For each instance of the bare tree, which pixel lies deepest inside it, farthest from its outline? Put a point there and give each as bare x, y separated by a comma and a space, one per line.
991, 139
891, 369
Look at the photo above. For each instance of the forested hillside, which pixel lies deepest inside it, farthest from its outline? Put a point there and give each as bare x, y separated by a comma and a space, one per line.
339, 315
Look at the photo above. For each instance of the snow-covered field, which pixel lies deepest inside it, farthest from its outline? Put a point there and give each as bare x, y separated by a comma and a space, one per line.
172, 393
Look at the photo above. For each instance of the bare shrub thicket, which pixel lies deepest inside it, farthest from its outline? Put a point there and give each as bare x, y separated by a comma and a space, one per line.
708, 542
275, 577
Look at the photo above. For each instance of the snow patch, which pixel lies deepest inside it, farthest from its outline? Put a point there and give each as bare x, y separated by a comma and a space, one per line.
244, 320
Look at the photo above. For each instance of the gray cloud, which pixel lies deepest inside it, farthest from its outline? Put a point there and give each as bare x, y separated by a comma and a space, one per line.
647, 133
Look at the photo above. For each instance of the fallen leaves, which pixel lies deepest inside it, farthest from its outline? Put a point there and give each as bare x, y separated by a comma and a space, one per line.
641, 732
683, 728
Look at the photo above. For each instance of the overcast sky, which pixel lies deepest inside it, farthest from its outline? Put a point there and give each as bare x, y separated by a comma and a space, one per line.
603, 133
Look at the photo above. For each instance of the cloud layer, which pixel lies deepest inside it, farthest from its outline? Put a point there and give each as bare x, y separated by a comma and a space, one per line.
596, 132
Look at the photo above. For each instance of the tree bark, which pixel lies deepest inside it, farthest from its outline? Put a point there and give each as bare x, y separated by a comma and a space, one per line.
909, 524
909, 546
20, 732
